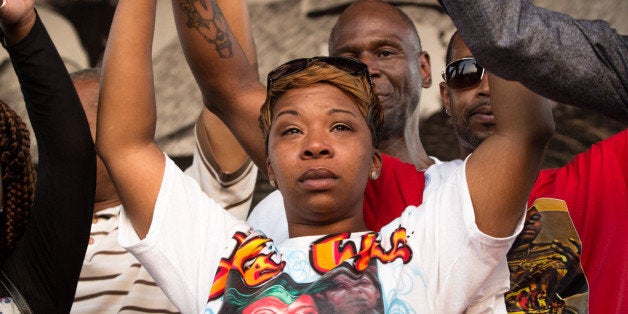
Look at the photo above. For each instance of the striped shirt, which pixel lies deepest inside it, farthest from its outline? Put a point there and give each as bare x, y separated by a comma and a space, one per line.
112, 280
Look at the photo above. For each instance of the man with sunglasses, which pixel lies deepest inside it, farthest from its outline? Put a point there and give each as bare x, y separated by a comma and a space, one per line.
592, 187
588, 58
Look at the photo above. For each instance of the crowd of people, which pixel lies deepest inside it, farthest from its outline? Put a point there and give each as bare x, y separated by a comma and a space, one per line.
363, 219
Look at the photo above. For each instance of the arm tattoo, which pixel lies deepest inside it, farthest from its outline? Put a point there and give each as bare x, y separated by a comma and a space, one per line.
214, 29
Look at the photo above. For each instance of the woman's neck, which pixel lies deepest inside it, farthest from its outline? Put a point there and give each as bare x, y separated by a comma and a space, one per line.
350, 224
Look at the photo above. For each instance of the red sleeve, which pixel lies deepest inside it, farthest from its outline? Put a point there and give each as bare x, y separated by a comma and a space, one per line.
595, 187
398, 186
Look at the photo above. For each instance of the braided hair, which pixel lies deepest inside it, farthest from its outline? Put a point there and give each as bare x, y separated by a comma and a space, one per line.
18, 179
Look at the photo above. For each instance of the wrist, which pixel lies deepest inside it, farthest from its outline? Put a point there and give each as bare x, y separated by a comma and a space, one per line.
15, 32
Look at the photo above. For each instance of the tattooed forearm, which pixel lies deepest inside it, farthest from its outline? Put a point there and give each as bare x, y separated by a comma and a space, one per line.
214, 29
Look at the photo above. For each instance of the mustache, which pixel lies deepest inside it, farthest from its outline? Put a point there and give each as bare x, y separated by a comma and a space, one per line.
478, 106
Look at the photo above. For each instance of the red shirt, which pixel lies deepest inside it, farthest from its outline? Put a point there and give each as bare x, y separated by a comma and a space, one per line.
595, 187
398, 186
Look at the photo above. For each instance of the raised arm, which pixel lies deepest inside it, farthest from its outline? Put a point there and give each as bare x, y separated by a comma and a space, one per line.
127, 113
227, 78
589, 59
46, 263
502, 170
218, 142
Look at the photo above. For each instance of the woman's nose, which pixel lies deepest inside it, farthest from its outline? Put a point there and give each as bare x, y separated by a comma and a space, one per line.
317, 146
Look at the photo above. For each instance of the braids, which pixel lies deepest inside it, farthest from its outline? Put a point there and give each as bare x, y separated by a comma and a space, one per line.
18, 179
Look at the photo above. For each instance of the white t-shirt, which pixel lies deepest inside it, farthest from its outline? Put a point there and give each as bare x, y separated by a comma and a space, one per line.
431, 259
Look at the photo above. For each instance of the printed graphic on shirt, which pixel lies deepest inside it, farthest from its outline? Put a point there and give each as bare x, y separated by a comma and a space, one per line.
253, 279
8, 306
544, 262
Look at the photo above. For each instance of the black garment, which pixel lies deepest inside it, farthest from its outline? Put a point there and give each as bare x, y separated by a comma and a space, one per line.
46, 263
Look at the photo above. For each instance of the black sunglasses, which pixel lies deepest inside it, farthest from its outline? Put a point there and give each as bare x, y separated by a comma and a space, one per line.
349, 65
463, 73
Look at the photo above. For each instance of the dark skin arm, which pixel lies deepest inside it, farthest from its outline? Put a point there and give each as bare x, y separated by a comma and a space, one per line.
127, 116
502, 170
226, 76
218, 141
127, 113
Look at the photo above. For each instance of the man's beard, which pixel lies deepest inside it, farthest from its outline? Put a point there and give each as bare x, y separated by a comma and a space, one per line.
468, 136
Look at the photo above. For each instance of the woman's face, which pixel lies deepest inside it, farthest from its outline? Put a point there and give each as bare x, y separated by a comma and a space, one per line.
320, 154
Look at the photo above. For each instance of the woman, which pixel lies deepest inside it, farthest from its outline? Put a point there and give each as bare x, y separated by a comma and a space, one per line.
321, 120
44, 235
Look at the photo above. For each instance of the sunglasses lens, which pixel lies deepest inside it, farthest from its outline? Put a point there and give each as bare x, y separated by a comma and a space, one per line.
463, 73
287, 69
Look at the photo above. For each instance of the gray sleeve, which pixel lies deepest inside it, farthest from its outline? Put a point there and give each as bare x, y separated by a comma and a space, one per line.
577, 62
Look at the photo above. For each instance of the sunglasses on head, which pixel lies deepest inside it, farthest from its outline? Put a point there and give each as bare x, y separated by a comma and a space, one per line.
349, 65
463, 73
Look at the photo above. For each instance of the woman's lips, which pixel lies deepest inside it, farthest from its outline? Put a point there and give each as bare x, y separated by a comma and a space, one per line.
318, 179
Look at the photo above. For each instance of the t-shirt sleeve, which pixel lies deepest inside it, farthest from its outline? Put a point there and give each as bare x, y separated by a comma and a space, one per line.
187, 237
465, 266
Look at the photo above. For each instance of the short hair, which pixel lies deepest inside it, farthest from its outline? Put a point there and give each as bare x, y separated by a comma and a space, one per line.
357, 88
86, 74
449, 53
18, 178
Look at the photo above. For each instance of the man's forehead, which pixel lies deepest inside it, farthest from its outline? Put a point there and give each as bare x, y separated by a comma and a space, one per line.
375, 33
370, 41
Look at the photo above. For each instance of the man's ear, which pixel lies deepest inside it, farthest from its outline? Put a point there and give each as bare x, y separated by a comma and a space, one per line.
444, 94
426, 69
